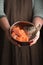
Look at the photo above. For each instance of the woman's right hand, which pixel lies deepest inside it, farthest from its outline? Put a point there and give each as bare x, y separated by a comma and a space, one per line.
7, 34
4, 24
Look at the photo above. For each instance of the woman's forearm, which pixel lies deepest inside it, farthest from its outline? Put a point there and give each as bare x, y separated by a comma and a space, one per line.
37, 21
4, 24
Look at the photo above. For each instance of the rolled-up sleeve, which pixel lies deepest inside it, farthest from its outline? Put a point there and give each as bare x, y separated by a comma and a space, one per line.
38, 8
2, 8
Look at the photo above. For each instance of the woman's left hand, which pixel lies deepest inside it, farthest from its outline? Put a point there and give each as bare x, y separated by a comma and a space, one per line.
35, 39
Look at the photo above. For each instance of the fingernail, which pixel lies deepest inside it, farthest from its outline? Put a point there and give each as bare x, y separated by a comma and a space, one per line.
19, 45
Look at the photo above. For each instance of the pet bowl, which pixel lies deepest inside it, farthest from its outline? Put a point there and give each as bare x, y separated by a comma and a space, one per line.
24, 27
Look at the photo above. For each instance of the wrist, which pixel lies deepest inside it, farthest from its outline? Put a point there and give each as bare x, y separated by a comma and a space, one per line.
4, 24
37, 22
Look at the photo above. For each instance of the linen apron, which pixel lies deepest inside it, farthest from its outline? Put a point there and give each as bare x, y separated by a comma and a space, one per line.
19, 10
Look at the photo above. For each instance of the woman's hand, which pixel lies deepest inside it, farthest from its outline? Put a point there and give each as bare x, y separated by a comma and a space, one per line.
35, 39
37, 21
7, 35
4, 24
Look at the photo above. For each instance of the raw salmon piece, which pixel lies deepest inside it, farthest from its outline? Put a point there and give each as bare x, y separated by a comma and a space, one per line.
17, 31
20, 39
14, 35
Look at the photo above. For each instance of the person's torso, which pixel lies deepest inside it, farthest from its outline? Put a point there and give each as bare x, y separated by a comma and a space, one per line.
18, 10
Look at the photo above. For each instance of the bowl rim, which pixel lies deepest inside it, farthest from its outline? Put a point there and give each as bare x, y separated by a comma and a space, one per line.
15, 24
21, 22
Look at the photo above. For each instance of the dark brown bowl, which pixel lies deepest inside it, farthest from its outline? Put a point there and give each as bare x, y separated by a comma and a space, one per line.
28, 27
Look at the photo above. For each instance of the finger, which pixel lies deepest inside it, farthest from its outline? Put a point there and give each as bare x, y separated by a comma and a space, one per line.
15, 43
8, 37
19, 45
